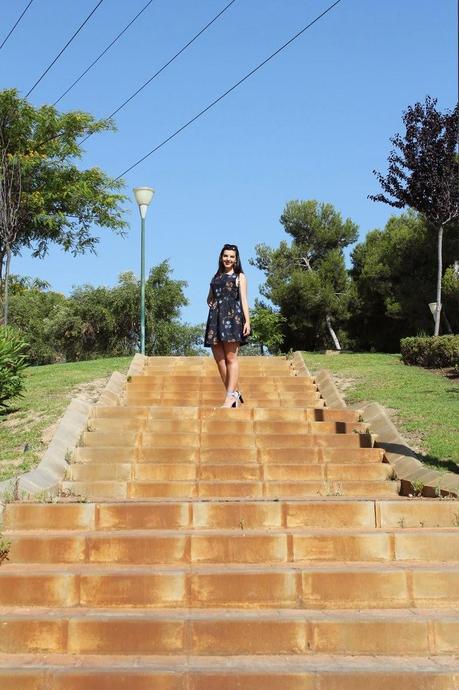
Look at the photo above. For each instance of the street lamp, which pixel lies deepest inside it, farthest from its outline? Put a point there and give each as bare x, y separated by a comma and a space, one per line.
143, 197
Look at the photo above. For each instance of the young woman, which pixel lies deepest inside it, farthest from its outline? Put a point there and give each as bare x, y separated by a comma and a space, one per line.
228, 323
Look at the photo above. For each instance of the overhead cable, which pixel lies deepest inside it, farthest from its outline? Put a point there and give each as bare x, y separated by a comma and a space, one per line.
64, 48
166, 64
223, 95
103, 52
17, 22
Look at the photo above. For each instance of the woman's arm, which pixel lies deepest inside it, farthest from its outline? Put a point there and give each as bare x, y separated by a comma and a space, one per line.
244, 303
210, 298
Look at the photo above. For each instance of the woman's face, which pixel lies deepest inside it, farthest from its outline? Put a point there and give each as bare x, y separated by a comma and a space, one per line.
229, 259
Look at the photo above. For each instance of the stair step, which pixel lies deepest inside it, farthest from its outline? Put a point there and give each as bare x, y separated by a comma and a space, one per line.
323, 586
255, 674
221, 632
330, 512
144, 547
107, 454
256, 414
231, 489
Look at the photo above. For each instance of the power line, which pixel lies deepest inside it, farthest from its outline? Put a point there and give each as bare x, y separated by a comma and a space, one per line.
17, 22
65, 47
166, 64
222, 96
103, 52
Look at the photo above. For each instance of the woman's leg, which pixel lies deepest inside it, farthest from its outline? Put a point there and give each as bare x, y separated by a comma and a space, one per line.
220, 359
232, 366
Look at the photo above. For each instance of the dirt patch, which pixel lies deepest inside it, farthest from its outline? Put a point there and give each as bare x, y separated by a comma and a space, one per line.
90, 392
451, 373
342, 383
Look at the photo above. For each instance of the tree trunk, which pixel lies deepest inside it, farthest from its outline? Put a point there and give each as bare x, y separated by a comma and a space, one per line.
6, 287
447, 323
332, 332
262, 349
328, 320
439, 278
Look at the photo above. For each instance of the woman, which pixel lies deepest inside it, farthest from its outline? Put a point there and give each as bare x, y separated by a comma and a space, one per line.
228, 323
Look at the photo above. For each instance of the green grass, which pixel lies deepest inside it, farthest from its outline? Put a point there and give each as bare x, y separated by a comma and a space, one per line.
48, 391
425, 404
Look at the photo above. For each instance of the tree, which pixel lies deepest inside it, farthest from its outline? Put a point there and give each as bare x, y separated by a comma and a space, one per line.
308, 280
32, 309
392, 273
423, 173
101, 321
44, 196
266, 327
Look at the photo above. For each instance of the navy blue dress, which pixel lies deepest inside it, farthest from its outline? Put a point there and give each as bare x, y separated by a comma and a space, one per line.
226, 318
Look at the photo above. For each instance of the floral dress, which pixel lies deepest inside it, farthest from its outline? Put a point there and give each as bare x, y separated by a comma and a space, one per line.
226, 318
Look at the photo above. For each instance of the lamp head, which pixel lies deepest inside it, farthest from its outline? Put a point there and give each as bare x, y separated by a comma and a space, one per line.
143, 197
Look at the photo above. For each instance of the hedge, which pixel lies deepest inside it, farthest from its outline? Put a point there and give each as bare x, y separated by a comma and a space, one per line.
431, 352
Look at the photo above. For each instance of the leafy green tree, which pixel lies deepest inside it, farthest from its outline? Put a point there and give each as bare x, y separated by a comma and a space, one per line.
266, 327
307, 280
98, 322
44, 196
31, 311
392, 275
423, 174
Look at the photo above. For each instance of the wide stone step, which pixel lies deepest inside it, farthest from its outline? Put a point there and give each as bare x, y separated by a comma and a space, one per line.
232, 633
219, 673
255, 387
213, 426
142, 547
330, 512
231, 489
333, 586
146, 439
227, 472
309, 400
265, 456
140, 413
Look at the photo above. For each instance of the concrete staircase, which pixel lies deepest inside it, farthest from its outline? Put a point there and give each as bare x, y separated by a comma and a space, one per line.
259, 548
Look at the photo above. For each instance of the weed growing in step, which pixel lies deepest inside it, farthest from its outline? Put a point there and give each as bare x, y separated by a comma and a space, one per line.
456, 519
401, 523
418, 487
5, 546
12, 493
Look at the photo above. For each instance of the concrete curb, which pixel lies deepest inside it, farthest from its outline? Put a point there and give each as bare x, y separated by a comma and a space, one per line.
111, 394
299, 364
137, 365
328, 389
52, 467
414, 475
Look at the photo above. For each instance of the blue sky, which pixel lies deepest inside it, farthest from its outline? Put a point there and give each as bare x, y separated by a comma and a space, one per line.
313, 123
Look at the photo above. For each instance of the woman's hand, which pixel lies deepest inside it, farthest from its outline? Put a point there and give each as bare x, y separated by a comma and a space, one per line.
246, 329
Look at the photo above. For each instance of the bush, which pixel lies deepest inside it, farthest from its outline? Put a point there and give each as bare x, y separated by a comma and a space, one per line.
12, 365
431, 352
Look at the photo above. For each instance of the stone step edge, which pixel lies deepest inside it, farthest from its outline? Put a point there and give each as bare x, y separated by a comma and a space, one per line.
405, 461
53, 465
326, 664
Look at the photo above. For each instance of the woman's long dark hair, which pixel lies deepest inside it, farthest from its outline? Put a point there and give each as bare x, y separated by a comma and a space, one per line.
237, 268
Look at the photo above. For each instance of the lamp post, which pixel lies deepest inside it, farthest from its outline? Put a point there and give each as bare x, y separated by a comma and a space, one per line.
143, 197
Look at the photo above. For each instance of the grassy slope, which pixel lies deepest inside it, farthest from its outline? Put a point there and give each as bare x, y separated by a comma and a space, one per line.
426, 405
47, 394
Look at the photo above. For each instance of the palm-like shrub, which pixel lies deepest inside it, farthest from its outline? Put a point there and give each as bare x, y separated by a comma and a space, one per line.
12, 365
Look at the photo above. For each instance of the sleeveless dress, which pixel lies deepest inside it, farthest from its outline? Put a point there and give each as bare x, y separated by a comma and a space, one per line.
226, 318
